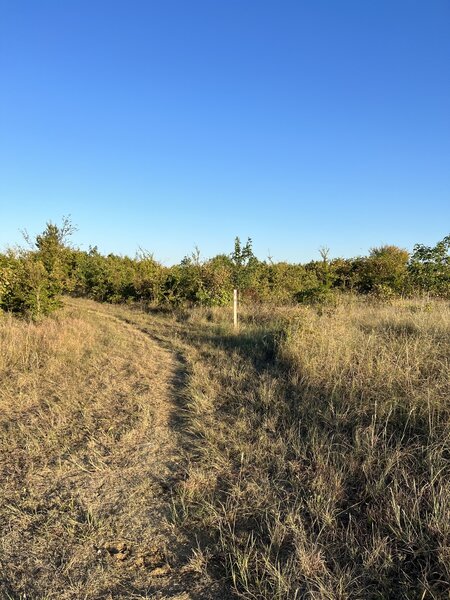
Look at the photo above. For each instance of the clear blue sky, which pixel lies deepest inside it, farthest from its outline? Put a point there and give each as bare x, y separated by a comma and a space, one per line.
165, 124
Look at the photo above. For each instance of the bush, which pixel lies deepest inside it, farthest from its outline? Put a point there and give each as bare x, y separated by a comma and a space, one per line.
26, 287
429, 268
317, 295
31, 281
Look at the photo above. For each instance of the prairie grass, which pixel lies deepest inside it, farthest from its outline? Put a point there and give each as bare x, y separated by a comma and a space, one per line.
86, 457
323, 449
316, 449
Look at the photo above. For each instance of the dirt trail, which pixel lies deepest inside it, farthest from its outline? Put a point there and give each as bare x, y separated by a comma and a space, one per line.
92, 457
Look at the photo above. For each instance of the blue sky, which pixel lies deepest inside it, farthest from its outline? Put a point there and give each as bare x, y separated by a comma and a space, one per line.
168, 124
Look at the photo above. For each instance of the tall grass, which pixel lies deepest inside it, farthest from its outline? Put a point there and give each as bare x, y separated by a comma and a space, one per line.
324, 451
317, 465
85, 450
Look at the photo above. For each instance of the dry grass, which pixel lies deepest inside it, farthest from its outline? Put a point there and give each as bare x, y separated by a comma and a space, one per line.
324, 450
317, 465
88, 454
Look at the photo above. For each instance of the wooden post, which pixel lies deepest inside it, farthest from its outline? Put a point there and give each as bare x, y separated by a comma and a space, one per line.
235, 307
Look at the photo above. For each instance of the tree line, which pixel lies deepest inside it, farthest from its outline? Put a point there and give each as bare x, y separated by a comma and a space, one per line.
33, 279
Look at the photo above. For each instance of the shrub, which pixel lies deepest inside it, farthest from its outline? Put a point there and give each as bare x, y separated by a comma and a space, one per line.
429, 268
26, 287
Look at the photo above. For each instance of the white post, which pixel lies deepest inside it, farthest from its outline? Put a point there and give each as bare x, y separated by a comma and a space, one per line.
235, 307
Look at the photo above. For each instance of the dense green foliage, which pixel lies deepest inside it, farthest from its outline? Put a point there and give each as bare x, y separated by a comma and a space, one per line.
429, 268
32, 280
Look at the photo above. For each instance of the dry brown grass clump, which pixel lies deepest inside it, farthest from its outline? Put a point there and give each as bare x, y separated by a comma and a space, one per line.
324, 450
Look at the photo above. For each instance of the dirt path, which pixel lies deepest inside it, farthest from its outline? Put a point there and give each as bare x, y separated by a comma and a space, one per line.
90, 451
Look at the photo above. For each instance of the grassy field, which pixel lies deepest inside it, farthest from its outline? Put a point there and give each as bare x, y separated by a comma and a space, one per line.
325, 447
311, 451
89, 452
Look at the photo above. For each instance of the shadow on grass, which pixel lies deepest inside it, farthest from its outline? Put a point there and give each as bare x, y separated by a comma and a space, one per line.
303, 408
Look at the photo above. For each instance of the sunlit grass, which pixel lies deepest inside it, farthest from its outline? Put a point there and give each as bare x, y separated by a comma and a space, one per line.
324, 440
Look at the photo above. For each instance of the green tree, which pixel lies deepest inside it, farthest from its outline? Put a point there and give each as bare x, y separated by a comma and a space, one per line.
429, 268
244, 262
25, 286
385, 270
31, 281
